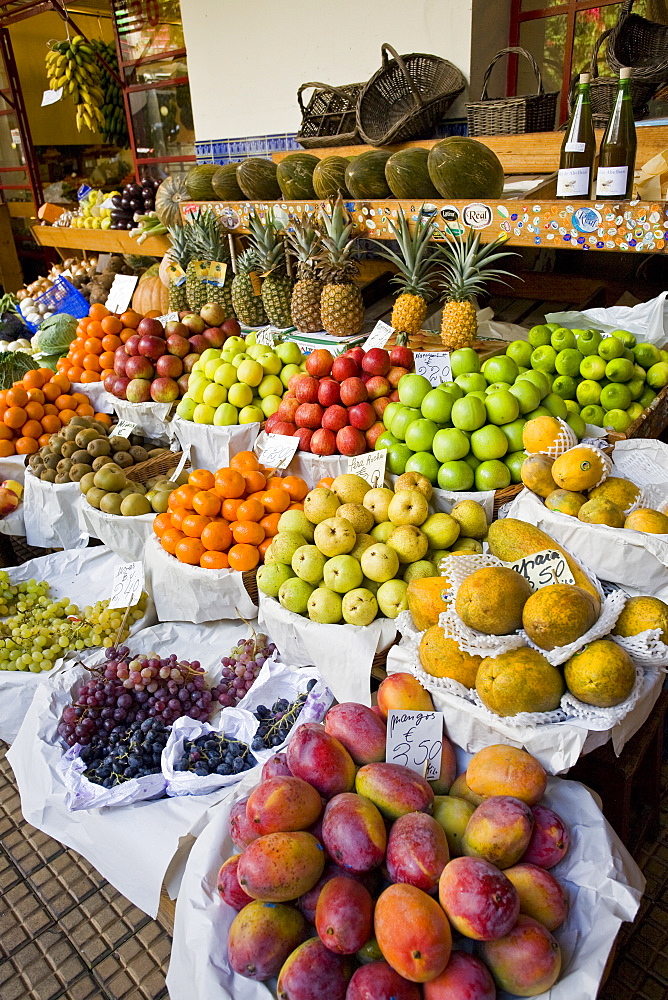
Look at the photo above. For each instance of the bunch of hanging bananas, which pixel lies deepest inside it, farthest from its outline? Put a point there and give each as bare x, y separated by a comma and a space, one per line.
73, 65
115, 129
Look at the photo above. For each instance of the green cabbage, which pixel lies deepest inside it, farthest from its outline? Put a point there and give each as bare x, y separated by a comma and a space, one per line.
13, 366
56, 334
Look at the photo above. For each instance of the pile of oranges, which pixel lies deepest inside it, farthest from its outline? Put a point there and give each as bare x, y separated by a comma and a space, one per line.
37, 407
91, 353
227, 519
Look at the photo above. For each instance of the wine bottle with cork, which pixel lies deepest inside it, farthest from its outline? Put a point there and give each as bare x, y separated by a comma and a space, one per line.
578, 148
617, 157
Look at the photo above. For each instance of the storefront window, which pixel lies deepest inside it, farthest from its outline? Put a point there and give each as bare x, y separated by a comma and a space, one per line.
148, 27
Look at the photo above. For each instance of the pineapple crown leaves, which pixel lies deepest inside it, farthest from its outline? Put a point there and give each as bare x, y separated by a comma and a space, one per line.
247, 261
304, 238
267, 244
417, 257
204, 236
466, 266
335, 258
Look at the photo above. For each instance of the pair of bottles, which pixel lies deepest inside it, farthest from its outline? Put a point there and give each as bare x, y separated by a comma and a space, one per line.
618, 148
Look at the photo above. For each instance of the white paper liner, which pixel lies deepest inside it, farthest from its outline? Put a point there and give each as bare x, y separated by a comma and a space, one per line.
647, 648
100, 399
603, 883
190, 593
311, 468
647, 321
342, 653
14, 524
126, 536
232, 722
213, 447
149, 419
80, 793
51, 515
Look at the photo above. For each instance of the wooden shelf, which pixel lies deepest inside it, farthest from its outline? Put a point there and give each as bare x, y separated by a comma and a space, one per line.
99, 240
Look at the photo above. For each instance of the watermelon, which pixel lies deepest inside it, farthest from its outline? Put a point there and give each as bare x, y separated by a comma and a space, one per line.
225, 184
464, 168
257, 179
329, 177
295, 176
365, 175
407, 174
198, 182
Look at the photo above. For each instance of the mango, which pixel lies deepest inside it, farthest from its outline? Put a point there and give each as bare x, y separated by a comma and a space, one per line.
510, 539
403, 692
395, 789
413, 933
521, 680
427, 599
370, 952
442, 657
379, 981
276, 767
541, 895
491, 600
239, 826
465, 977
645, 519
481, 903
359, 730
453, 814
344, 916
261, 938
550, 839
460, 789
228, 884
506, 770
353, 831
312, 972
526, 961
308, 902
558, 614
318, 758
281, 866
499, 831
417, 851
441, 785
282, 805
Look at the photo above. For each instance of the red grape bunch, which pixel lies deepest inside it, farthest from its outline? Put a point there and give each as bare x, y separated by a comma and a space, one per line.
241, 668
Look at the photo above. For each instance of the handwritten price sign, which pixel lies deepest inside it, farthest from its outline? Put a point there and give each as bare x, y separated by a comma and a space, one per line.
127, 586
279, 451
265, 337
544, 568
415, 740
124, 428
121, 292
370, 466
379, 336
435, 367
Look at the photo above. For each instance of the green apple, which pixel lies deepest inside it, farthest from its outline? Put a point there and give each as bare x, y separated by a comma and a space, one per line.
203, 414
390, 411
513, 463
271, 363
610, 348
577, 424
436, 406
287, 373
425, 463
634, 410
441, 530
588, 392
342, 573
239, 359
496, 387
381, 532
544, 359
385, 440
646, 355
455, 476
359, 607
380, 562
196, 391
334, 536
620, 370
646, 397
409, 542
226, 415
412, 389
401, 421
526, 393
211, 367
657, 376
294, 595
540, 411
568, 362
588, 341
285, 544
500, 368
251, 372
255, 350
540, 336
420, 433
271, 577
452, 388
270, 404
520, 351
391, 597
186, 408
664, 355
250, 415
513, 432
619, 420
502, 407
563, 340
615, 396
479, 393
468, 413
397, 456
471, 383
270, 385
420, 570
464, 361
210, 354
489, 442
492, 475
214, 395
240, 394
289, 353
226, 374
450, 444
555, 404
565, 386
537, 378
592, 414
235, 344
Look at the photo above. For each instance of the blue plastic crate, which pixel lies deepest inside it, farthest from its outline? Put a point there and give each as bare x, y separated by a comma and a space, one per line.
62, 297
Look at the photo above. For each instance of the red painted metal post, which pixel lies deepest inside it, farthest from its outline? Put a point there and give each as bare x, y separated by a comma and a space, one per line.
32, 166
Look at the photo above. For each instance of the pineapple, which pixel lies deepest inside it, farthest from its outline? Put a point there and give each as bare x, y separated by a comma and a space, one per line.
341, 305
304, 241
247, 304
416, 262
270, 253
466, 267
180, 254
207, 244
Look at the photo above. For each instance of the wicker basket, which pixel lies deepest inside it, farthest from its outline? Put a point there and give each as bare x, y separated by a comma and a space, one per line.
512, 115
505, 496
330, 117
603, 91
161, 465
406, 97
250, 583
640, 44
650, 424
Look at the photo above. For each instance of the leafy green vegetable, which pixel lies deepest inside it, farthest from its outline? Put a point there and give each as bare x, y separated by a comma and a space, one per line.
13, 366
56, 334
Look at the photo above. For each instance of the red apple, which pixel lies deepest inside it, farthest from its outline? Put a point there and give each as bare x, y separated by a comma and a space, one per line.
357, 354
169, 367
380, 405
131, 345
365, 376
373, 433
329, 392
151, 347
198, 343
139, 367
119, 388
323, 442
8, 501
402, 356
182, 383
214, 336
173, 326
138, 390
230, 328
287, 409
378, 386
309, 415
150, 327
376, 361
284, 427
304, 435
183, 313
178, 345
395, 374
164, 390
344, 367
190, 361
394, 396
120, 360
305, 388
271, 422
350, 441
194, 323
335, 417
109, 381
353, 390
289, 395
319, 362
362, 415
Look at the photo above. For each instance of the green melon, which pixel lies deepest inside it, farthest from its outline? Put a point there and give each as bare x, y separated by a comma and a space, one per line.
365, 175
168, 200
329, 177
464, 168
295, 176
225, 183
257, 179
407, 174
198, 182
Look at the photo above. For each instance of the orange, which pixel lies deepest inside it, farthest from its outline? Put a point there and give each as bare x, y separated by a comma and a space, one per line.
193, 525
295, 486
274, 483
296, 506
6, 449
111, 341
97, 311
256, 496
62, 365
217, 536
87, 377
161, 524
230, 508
5, 433
177, 515
130, 319
93, 345
189, 550
255, 481
66, 415
243, 557
50, 408
245, 461
206, 502
52, 391
93, 331
183, 496
43, 439
103, 418
103, 374
214, 560
152, 313
250, 510
202, 479
16, 396
92, 363
33, 380
85, 410
270, 524
35, 395
111, 324
248, 533
79, 397
327, 481
276, 501
75, 374
107, 359
15, 417
126, 334
3, 397
170, 539
229, 484
35, 411
32, 429
62, 382
47, 374
262, 548
65, 402
26, 446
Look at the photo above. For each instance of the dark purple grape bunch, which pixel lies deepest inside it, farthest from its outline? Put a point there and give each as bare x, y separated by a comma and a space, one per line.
129, 752
215, 753
241, 669
276, 722
133, 199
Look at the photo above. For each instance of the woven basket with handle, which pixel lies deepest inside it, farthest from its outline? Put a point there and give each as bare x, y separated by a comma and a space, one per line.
640, 44
512, 115
603, 90
330, 117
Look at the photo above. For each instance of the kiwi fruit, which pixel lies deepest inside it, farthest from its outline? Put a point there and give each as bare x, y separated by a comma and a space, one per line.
118, 443
71, 431
138, 453
87, 481
137, 487
82, 456
51, 462
35, 460
157, 452
56, 444
78, 471
69, 448
99, 426
123, 458
102, 460
100, 446
111, 503
62, 477
94, 496
111, 479
135, 505
64, 465
85, 436
78, 422
48, 476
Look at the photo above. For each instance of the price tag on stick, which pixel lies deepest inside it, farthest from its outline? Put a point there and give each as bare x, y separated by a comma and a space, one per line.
170, 317
415, 740
180, 467
436, 368
124, 428
279, 451
370, 466
379, 336
265, 337
544, 568
120, 292
51, 97
127, 586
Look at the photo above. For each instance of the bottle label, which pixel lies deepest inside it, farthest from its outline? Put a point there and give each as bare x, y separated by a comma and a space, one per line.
575, 147
573, 181
611, 182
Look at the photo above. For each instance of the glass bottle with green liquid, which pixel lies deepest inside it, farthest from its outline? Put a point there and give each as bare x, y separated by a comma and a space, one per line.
578, 148
617, 157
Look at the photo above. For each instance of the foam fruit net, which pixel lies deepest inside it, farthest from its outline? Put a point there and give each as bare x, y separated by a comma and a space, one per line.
455, 569
564, 441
